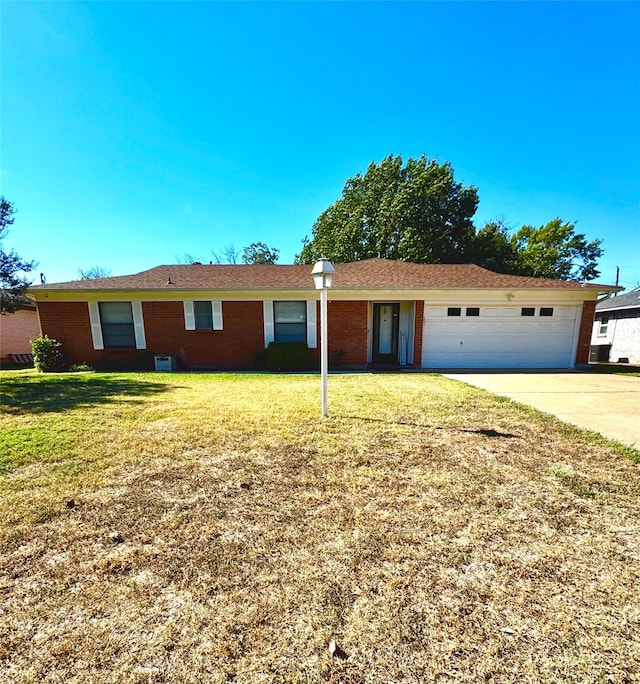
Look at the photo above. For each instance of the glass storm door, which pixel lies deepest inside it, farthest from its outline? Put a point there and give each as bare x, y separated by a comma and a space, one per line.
386, 319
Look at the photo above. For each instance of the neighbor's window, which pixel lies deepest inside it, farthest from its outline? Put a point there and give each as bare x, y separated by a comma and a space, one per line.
116, 319
203, 315
473, 311
528, 311
546, 311
290, 321
604, 325
454, 311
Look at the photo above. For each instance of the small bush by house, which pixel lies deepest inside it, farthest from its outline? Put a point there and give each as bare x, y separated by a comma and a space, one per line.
47, 355
287, 356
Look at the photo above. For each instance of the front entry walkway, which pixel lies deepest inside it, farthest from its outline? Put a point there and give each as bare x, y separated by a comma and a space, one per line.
608, 404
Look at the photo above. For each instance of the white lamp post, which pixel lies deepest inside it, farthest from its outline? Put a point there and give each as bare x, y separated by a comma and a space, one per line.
322, 273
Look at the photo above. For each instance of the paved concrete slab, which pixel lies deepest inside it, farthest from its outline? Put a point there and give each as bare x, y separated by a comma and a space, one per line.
608, 404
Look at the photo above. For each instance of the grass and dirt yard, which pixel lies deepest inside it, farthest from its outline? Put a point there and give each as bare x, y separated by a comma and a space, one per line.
213, 528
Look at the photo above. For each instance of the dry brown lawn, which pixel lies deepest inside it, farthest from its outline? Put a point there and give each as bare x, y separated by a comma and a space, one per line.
213, 528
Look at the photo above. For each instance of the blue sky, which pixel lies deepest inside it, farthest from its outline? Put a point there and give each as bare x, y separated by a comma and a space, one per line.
135, 132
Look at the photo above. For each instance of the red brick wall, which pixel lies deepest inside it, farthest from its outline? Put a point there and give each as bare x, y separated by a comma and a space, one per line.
584, 335
347, 328
68, 322
233, 347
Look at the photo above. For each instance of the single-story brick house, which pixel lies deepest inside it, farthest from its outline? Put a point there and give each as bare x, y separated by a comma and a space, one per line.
380, 312
616, 329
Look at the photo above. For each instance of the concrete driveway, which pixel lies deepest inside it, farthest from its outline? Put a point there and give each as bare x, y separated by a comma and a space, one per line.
608, 404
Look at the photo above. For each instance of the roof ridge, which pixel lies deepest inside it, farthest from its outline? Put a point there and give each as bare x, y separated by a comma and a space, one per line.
367, 274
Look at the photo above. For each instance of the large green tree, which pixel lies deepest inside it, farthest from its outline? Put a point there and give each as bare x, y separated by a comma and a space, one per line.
555, 250
413, 212
418, 212
13, 269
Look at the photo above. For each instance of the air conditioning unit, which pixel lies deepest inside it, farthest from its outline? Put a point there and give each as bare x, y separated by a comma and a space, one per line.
165, 363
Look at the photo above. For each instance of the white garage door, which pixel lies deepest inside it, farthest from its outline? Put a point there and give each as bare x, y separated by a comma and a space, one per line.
498, 337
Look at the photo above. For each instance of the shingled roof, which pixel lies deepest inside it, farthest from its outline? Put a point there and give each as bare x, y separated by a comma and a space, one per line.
370, 274
631, 300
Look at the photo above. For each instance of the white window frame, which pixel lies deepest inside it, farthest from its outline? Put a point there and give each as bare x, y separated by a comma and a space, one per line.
312, 327
270, 328
138, 325
96, 325
603, 326
190, 317
267, 321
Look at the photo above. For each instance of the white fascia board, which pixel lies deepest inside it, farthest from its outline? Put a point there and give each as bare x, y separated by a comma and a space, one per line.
506, 297
433, 295
486, 296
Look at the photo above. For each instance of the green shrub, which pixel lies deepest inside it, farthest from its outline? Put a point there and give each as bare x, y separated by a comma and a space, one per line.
47, 355
287, 356
81, 368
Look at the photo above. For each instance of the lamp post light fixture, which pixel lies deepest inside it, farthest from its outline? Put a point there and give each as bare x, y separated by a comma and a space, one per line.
322, 273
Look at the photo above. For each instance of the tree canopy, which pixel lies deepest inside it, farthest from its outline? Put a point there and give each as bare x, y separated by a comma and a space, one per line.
418, 212
413, 212
492, 248
555, 250
13, 283
259, 253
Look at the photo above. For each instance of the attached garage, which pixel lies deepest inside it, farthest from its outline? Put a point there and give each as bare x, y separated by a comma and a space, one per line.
458, 336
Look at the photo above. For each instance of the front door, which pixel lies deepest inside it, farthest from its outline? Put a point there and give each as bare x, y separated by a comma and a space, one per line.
386, 321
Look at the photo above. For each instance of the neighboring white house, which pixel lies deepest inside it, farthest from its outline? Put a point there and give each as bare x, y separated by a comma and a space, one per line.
616, 329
